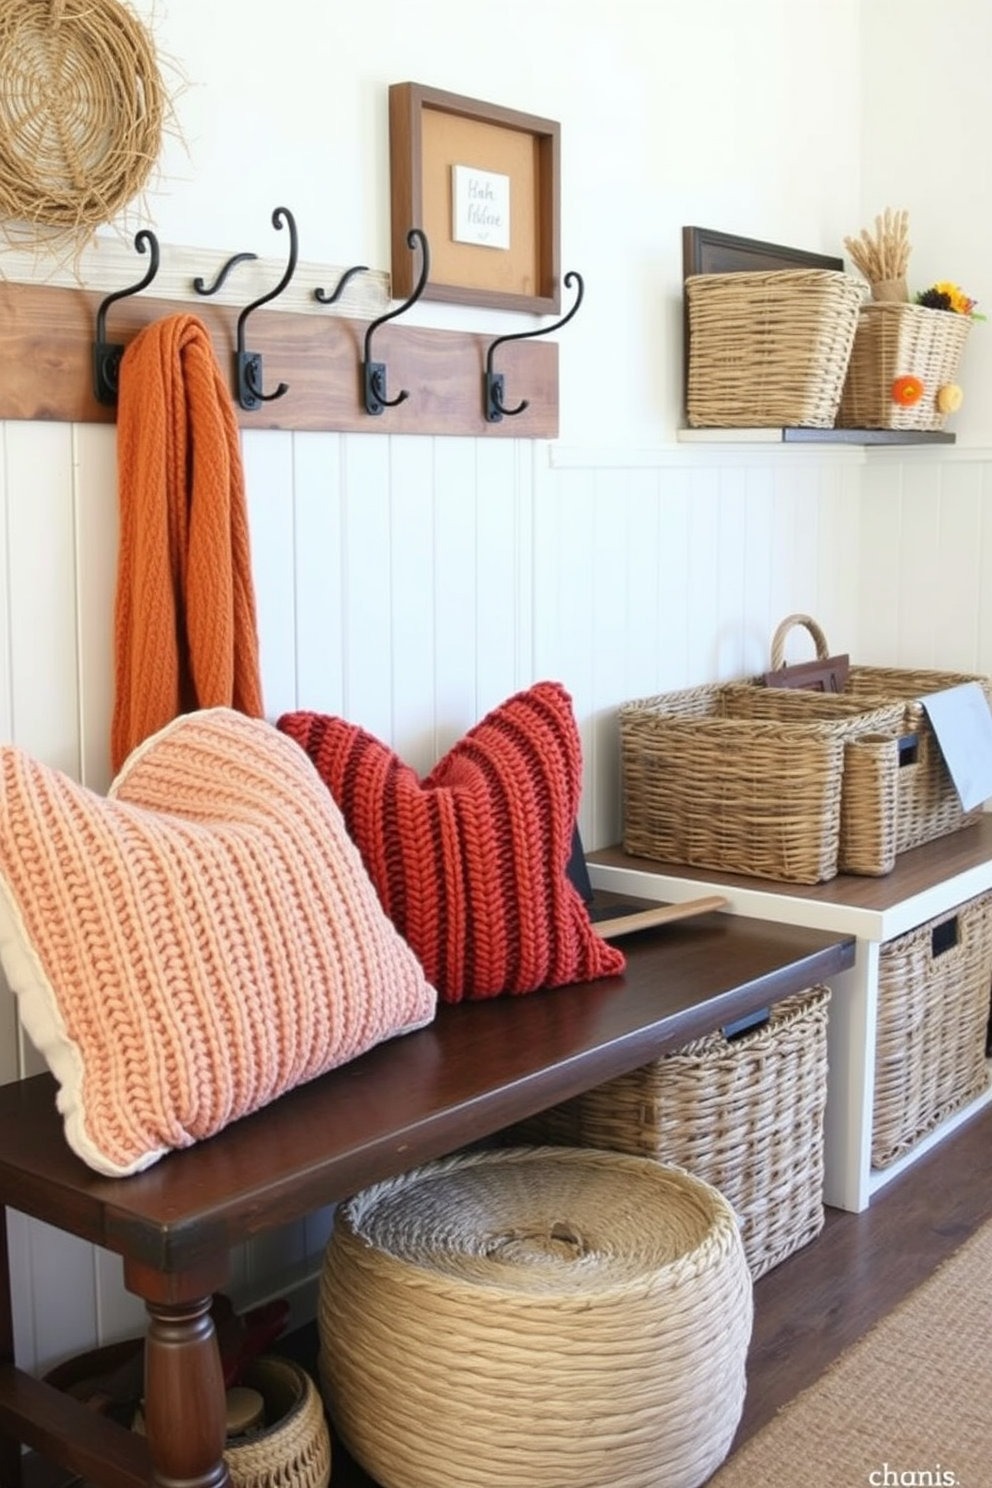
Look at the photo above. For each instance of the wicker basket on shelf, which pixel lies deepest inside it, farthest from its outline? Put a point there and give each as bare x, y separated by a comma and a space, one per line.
752, 780
769, 349
895, 341
927, 804
933, 1017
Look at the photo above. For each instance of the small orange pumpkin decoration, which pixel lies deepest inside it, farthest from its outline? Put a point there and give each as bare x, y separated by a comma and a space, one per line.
906, 391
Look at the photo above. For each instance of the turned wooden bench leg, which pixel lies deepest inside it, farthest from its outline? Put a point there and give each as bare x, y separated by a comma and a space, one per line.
184, 1405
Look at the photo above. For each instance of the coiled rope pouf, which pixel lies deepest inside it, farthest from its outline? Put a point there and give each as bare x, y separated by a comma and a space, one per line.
527, 1317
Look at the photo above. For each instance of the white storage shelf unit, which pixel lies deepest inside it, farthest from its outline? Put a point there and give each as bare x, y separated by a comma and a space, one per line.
928, 881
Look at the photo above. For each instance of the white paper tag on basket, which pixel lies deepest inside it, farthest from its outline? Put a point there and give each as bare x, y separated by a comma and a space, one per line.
962, 723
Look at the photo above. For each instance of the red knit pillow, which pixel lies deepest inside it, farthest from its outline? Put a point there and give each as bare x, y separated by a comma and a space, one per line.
470, 862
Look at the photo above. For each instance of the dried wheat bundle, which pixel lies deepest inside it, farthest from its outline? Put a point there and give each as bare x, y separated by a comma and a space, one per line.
884, 257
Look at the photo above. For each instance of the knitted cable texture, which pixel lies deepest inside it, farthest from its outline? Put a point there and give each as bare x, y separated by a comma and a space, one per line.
199, 941
185, 633
470, 862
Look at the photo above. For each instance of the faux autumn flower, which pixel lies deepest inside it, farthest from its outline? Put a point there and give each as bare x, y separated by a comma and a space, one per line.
947, 296
906, 391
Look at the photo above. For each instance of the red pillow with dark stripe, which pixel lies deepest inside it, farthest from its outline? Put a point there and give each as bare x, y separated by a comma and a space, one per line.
470, 861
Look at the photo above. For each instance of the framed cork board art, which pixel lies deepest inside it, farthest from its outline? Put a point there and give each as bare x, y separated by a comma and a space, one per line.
483, 183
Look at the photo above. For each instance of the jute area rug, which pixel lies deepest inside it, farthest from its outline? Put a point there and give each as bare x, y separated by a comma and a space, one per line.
907, 1406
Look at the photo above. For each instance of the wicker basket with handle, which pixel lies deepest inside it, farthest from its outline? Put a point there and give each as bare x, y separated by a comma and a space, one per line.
753, 780
927, 804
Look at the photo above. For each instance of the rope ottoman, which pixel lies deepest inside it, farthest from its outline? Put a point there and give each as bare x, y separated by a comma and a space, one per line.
536, 1315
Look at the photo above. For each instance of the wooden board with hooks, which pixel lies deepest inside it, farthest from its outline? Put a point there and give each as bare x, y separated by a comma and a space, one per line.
46, 351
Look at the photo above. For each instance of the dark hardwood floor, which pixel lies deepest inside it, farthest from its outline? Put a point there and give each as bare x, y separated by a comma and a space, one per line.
810, 1308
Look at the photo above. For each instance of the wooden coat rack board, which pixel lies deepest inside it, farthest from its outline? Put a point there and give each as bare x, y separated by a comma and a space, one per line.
47, 334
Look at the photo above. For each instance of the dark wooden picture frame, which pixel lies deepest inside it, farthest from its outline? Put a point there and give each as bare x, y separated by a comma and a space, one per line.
705, 251
430, 131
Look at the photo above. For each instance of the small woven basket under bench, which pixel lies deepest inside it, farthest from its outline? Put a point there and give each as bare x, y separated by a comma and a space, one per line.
745, 1114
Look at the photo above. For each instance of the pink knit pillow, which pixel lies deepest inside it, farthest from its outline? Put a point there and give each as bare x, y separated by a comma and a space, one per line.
196, 943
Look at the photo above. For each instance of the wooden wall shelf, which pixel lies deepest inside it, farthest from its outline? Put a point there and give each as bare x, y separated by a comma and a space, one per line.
46, 337
816, 436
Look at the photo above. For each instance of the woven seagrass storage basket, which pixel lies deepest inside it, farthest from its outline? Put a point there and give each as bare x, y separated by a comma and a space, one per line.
933, 1017
752, 780
769, 349
900, 340
927, 804
536, 1315
745, 1114
293, 1448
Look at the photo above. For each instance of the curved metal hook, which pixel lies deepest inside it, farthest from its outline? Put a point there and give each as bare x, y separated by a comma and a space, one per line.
200, 284
249, 363
374, 373
495, 408
329, 299
107, 355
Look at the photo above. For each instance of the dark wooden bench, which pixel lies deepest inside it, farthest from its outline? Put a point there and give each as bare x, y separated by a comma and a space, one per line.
478, 1068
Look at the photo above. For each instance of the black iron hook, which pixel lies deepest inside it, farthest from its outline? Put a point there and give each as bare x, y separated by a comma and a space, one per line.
329, 299
374, 373
107, 355
494, 382
248, 364
203, 288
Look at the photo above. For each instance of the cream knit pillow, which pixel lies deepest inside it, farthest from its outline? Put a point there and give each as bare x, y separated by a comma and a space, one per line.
196, 943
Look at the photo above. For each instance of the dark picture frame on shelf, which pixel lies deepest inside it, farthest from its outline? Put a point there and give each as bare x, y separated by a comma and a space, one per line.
705, 251
436, 140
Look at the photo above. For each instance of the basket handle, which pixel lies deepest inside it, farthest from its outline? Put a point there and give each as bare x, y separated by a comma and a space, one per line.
778, 639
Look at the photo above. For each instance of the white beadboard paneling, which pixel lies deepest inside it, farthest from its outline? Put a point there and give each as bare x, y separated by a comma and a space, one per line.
63, 1317
461, 696
365, 583
503, 568
9, 1036
268, 472
917, 544
675, 612
96, 518
413, 600
41, 535
731, 578
6, 702
956, 573
120, 1314
880, 540
318, 560
983, 658
703, 563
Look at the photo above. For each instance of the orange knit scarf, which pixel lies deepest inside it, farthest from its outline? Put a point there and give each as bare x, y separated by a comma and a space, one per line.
185, 633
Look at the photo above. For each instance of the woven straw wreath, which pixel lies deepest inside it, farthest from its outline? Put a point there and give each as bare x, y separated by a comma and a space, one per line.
82, 106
